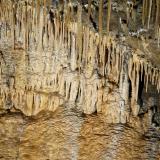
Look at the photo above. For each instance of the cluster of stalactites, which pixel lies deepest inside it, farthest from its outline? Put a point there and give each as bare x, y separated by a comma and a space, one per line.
32, 27
41, 28
21, 18
101, 15
141, 71
150, 15
29, 102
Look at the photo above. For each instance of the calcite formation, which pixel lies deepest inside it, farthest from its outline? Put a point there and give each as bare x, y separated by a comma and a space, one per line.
49, 58
79, 80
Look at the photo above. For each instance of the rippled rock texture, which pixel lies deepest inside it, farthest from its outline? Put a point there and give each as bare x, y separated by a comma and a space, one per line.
69, 134
68, 91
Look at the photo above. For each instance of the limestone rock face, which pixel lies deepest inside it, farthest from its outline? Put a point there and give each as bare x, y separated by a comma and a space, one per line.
70, 92
47, 60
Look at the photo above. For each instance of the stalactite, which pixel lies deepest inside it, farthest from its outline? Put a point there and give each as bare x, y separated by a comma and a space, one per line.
119, 60
89, 9
99, 58
83, 43
32, 8
147, 9
121, 79
153, 76
143, 12
153, 11
56, 32
86, 44
154, 80
26, 26
157, 21
158, 83
69, 40
112, 56
14, 25
125, 91
108, 67
100, 18
108, 15
34, 23
142, 67
68, 14
137, 80
146, 75
44, 14
1, 10
159, 37
18, 22
133, 78
61, 35
150, 73
29, 25
38, 10
157, 80
149, 13
79, 35
104, 54
58, 26
130, 68
4, 19
129, 11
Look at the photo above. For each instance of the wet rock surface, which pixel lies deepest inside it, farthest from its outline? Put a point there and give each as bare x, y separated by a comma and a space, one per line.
69, 134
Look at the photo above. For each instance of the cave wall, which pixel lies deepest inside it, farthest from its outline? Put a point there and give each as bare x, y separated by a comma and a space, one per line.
48, 59
70, 91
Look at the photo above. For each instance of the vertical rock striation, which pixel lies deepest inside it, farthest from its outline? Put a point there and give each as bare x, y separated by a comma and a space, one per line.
49, 58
